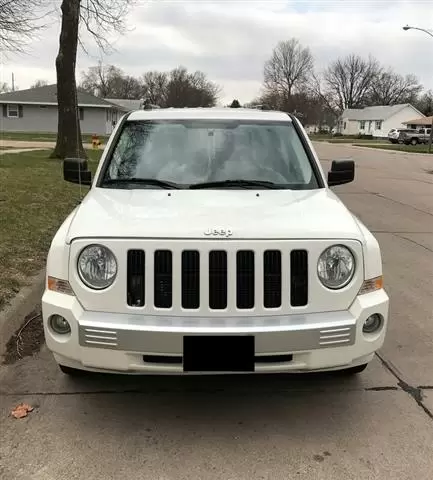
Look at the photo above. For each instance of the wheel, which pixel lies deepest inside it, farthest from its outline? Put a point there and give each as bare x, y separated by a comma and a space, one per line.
414, 141
354, 370
72, 372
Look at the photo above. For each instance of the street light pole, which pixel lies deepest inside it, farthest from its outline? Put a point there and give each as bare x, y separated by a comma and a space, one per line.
428, 32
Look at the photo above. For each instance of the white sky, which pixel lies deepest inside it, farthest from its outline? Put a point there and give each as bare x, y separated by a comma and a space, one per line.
231, 39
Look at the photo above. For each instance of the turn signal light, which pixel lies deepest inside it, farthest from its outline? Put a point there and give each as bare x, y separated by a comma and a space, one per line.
60, 286
371, 285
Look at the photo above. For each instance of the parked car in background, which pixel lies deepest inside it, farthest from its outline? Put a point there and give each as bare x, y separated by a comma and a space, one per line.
394, 135
414, 137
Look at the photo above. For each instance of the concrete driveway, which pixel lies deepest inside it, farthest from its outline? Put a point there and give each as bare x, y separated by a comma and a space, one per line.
376, 426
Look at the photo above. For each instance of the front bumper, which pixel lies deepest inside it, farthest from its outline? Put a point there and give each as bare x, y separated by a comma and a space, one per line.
117, 343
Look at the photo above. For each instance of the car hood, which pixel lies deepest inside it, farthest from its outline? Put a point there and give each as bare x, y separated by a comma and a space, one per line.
248, 214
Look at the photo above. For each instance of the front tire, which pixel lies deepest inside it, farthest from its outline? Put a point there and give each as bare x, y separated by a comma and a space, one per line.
72, 372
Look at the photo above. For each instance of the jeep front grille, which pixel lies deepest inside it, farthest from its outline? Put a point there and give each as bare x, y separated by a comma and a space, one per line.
272, 279
218, 280
298, 278
163, 279
190, 279
248, 270
245, 279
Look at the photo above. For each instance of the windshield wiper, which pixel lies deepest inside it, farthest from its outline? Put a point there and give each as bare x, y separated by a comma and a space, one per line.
140, 181
236, 183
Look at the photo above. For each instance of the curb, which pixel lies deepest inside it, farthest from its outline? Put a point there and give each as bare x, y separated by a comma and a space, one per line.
21, 305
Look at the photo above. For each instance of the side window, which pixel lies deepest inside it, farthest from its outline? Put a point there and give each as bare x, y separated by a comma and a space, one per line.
12, 111
81, 110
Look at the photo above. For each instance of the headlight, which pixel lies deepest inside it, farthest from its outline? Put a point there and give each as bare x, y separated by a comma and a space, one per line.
336, 267
97, 266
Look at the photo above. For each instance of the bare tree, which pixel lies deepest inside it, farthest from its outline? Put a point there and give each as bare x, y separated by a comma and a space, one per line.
99, 17
19, 21
108, 81
190, 89
4, 87
154, 88
390, 88
39, 83
425, 103
288, 68
348, 81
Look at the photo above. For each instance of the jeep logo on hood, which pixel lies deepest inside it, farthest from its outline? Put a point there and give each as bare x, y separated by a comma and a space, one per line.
218, 232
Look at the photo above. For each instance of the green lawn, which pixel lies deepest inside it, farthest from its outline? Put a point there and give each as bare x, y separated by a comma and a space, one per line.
42, 137
346, 139
400, 148
34, 200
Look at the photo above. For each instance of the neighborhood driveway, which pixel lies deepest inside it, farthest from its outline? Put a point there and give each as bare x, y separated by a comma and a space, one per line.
31, 144
376, 426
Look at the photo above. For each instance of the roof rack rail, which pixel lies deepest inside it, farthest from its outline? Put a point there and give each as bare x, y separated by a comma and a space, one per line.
261, 107
150, 106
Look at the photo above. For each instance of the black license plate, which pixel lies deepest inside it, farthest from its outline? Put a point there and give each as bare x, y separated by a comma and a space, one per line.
218, 353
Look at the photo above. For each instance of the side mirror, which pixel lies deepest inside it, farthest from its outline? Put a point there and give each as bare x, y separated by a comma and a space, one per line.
75, 170
342, 171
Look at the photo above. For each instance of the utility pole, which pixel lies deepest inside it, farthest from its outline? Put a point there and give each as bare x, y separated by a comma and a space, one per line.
13, 82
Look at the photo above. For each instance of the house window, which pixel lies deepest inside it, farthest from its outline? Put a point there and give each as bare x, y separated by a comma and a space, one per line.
13, 111
362, 125
378, 124
81, 111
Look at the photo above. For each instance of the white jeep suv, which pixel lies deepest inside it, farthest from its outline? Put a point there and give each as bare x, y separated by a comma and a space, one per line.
210, 242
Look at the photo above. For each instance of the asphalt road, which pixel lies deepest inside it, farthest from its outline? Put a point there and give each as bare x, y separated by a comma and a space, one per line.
376, 426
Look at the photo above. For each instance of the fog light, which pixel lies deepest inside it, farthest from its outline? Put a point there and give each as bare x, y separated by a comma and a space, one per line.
373, 323
59, 324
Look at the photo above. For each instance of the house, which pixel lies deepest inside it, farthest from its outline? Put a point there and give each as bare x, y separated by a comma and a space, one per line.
35, 110
376, 121
125, 104
417, 123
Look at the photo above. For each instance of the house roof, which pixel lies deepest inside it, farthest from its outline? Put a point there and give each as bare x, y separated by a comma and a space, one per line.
380, 112
126, 104
420, 121
47, 95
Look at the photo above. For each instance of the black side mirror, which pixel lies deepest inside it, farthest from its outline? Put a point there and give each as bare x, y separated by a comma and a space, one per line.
342, 171
75, 170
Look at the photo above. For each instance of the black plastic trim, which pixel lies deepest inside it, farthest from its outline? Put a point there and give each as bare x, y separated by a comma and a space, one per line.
110, 151
320, 181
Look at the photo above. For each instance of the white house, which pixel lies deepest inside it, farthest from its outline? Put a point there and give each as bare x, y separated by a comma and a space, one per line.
35, 110
417, 123
376, 121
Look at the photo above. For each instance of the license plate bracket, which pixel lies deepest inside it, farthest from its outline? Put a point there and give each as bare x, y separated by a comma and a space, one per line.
218, 353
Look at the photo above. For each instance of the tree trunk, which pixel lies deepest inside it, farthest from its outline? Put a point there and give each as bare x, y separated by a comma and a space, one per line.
69, 143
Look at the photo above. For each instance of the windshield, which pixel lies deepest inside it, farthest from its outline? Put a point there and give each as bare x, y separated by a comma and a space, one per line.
190, 152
